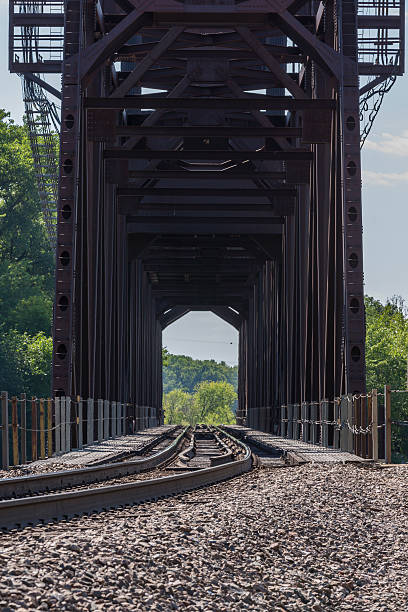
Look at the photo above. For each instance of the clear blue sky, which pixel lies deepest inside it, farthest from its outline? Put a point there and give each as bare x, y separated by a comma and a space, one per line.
385, 214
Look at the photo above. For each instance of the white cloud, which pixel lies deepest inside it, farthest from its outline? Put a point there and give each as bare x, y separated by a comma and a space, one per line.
390, 144
384, 179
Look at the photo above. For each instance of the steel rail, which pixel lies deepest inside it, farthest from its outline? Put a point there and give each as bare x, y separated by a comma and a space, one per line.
38, 483
30, 510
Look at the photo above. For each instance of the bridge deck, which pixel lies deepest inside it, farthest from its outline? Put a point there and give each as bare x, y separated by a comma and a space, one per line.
107, 450
295, 450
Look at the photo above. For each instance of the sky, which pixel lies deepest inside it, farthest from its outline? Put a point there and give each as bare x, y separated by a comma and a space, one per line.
385, 214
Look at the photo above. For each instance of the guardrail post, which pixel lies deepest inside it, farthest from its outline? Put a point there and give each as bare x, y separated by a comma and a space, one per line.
90, 421
119, 418
296, 421
106, 420
34, 427
67, 424
5, 431
49, 426
374, 395
63, 420
100, 420
290, 422
324, 414
369, 440
387, 421
80, 424
303, 419
42, 429
313, 427
113, 404
282, 424
336, 418
350, 436
23, 409
344, 428
14, 425
57, 425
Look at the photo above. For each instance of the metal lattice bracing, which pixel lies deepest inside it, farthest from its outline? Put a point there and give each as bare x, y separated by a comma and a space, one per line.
210, 159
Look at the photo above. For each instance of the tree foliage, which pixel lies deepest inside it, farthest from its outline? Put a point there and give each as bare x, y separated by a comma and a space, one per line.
26, 270
185, 373
386, 361
212, 403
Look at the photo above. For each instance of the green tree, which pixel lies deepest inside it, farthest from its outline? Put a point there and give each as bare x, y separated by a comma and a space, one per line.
213, 403
386, 361
25, 363
183, 372
26, 269
177, 407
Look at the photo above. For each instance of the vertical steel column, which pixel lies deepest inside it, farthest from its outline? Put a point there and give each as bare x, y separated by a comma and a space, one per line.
351, 184
67, 205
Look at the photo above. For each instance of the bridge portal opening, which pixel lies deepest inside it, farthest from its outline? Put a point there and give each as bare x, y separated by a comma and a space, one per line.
200, 368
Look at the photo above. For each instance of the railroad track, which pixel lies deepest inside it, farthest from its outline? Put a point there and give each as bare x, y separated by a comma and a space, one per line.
197, 459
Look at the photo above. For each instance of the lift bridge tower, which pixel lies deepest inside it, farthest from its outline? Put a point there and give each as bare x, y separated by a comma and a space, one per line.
209, 159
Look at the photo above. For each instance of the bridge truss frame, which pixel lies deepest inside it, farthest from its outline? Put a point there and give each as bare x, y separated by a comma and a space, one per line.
226, 195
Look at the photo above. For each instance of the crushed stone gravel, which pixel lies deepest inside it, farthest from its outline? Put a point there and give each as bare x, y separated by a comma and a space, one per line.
308, 538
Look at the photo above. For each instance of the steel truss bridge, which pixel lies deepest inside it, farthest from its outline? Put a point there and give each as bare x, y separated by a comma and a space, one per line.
209, 160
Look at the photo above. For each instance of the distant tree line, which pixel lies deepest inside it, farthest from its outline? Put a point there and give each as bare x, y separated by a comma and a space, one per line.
185, 373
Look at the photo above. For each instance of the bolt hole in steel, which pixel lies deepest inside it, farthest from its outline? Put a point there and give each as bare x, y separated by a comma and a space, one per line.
355, 353
354, 305
64, 258
66, 211
69, 122
352, 214
351, 123
353, 260
351, 168
62, 351
68, 166
63, 303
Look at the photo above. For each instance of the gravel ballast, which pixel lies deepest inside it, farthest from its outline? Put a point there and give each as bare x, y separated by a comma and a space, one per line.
312, 537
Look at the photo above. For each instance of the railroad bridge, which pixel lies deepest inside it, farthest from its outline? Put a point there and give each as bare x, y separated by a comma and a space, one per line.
209, 160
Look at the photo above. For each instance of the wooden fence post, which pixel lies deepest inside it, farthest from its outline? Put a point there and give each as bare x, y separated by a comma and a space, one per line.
343, 420
63, 420
67, 424
5, 431
313, 427
350, 439
106, 419
90, 421
49, 426
122, 419
387, 421
23, 409
374, 394
34, 427
296, 415
369, 423
14, 425
42, 429
100, 420
336, 415
324, 426
57, 425
113, 419
290, 422
80, 424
